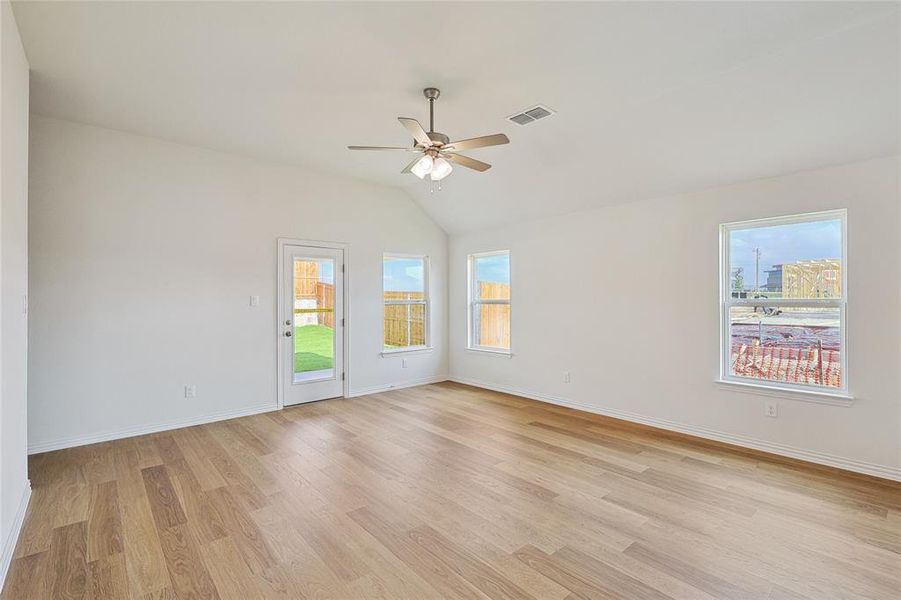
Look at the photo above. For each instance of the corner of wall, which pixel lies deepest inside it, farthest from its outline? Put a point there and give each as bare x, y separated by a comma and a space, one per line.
12, 537
15, 489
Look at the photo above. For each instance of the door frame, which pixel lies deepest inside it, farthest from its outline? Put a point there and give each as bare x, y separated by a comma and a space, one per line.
280, 307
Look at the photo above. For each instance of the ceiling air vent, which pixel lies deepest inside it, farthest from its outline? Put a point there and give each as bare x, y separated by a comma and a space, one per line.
530, 115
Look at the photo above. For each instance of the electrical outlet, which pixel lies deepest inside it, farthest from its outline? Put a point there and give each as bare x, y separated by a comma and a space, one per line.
771, 409
190, 391
254, 300
403, 363
566, 378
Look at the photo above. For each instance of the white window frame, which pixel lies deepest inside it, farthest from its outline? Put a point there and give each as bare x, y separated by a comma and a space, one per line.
426, 271
472, 301
727, 302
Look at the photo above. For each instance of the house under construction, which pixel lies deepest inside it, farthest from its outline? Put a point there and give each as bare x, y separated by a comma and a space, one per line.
811, 278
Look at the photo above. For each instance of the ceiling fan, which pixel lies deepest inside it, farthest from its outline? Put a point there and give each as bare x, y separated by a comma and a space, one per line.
436, 151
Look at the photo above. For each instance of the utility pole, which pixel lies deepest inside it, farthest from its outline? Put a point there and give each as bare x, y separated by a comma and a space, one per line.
757, 270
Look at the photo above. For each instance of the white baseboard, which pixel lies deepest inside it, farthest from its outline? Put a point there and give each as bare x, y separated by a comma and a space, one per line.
883, 471
395, 386
9, 544
106, 436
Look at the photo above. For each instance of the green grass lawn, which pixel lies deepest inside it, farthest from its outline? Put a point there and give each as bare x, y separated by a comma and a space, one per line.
313, 348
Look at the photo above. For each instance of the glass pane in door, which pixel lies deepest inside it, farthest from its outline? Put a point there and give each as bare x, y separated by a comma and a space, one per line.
314, 319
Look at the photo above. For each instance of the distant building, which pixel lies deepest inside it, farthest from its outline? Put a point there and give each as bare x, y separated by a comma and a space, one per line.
812, 279
806, 279
773, 279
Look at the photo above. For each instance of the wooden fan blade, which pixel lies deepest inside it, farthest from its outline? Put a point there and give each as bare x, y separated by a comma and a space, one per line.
409, 167
465, 161
416, 130
479, 142
382, 148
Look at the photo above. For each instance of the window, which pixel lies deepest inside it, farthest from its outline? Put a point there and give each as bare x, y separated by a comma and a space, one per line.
783, 298
489, 301
405, 285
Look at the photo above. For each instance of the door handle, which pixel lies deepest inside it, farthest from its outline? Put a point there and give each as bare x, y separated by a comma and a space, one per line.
288, 333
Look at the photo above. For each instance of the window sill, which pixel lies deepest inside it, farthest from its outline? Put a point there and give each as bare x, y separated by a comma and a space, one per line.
832, 398
410, 350
489, 351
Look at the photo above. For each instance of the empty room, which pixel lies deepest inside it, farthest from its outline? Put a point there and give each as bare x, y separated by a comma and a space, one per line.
424, 300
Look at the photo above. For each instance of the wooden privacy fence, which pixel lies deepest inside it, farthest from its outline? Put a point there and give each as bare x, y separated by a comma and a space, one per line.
404, 323
493, 320
494, 325
811, 365
307, 286
325, 299
306, 276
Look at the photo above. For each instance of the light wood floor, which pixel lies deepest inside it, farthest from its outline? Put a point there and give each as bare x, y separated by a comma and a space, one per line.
447, 491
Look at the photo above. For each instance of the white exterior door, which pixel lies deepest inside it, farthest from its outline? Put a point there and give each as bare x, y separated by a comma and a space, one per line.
311, 323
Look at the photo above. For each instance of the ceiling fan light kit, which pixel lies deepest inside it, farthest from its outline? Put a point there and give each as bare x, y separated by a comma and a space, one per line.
423, 166
441, 169
436, 151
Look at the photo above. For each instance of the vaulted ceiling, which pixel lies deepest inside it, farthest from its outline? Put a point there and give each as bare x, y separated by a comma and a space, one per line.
651, 98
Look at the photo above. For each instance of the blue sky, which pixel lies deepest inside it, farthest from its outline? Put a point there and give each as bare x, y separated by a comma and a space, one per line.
783, 244
326, 271
493, 268
403, 275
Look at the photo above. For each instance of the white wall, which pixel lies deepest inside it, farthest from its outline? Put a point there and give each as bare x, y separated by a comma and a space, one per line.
586, 299
14, 487
144, 255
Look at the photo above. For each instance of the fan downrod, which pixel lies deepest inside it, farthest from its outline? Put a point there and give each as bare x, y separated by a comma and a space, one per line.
431, 94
